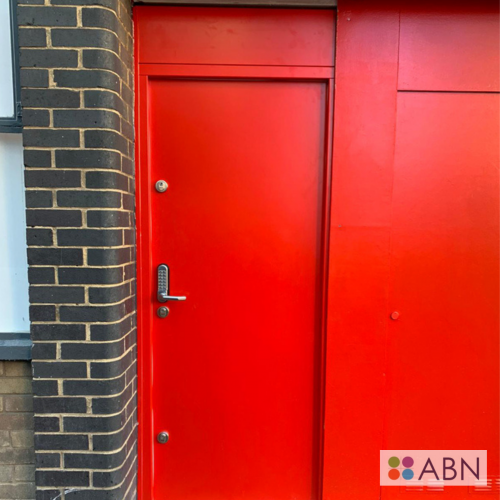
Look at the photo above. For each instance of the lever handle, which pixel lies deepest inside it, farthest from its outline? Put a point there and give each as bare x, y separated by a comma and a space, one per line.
164, 285
163, 297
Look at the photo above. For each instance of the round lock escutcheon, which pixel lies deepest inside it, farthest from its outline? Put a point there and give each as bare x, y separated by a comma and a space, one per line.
162, 312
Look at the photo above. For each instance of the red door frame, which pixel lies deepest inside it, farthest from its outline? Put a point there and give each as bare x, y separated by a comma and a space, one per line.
145, 282
366, 80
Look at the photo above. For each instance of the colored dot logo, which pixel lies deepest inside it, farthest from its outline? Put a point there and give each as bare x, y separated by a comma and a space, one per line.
395, 463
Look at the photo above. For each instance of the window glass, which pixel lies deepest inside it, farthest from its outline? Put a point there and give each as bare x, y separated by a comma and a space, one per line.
13, 260
6, 74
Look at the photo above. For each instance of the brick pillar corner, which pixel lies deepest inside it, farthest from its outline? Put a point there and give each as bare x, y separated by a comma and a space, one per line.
77, 99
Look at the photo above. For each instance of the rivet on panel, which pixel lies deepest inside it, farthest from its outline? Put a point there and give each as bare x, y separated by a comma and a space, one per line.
161, 186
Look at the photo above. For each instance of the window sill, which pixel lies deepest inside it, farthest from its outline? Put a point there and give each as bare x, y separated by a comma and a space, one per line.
15, 346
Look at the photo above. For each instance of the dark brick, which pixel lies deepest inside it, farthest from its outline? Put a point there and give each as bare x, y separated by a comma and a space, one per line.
41, 276
88, 350
43, 16
107, 218
94, 460
81, 314
43, 351
50, 98
105, 139
57, 295
102, 199
112, 4
103, 99
85, 38
124, 483
84, 78
39, 237
101, 479
108, 295
127, 94
128, 130
38, 199
94, 424
111, 442
55, 256
58, 369
94, 387
58, 332
129, 239
45, 387
42, 313
106, 180
100, 18
52, 178
61, 442
62, 478
110, 332
108, 406
103, 59
86, 118
36, 118
37, 158
128, 202
87, 158
48, 461
32, 37
48, 58
60, 405
108, 257
127, 166
46, 424
34, 77
88, 275
49, 138
89, 237
49, 494
54, 218
112, 369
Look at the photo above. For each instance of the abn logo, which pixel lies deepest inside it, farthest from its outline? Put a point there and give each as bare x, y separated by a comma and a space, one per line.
433, 467
395, 465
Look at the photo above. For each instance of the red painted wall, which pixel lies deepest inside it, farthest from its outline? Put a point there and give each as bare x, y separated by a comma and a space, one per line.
414, 231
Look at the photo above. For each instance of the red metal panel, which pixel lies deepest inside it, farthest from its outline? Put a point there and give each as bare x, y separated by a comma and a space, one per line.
365, 112
450, 46
445, 246
208, 35
443, 350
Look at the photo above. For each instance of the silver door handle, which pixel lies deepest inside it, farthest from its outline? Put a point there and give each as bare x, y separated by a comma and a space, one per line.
164, 285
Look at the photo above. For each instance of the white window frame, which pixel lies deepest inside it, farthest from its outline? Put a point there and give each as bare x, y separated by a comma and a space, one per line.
14, 123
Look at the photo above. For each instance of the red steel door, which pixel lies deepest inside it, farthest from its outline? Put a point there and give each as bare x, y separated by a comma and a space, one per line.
234, 374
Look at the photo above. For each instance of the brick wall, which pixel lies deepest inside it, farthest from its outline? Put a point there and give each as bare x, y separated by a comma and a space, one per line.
77, 81
17, 457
